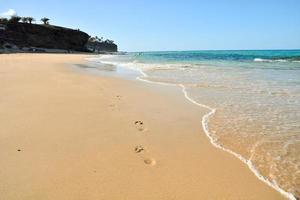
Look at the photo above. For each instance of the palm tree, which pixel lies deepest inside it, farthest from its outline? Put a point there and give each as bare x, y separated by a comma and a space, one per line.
3, 20
24, 19
14, 19
45, 20
30, 19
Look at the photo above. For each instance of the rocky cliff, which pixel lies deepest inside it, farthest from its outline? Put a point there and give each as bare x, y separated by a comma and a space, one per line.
29, 36
98, 46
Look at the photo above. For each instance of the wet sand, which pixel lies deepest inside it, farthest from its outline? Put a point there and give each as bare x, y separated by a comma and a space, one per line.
70, 135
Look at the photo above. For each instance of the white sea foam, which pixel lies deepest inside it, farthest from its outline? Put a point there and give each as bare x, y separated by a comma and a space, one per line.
108, 59
269, 60
205, 123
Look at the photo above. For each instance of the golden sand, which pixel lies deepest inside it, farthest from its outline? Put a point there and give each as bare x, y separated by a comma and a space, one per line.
67, 135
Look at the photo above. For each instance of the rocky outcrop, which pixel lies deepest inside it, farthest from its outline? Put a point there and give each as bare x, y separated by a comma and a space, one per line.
25, 36
98, 46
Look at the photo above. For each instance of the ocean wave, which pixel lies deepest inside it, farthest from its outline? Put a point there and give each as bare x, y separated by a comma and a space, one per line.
276, 60
144, 68
270, 60
213, 141
133, 64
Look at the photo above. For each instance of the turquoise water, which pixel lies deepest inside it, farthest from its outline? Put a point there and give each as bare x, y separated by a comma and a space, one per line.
232, 55
256, 95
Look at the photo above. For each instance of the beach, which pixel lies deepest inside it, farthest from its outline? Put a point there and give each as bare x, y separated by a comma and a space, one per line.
71, 135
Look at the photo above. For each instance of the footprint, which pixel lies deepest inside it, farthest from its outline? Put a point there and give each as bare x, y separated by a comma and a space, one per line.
139, 125
114, 107
149, 161
139, 149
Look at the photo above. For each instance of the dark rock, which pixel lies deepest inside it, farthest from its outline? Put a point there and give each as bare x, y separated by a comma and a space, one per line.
36, 37
101, 46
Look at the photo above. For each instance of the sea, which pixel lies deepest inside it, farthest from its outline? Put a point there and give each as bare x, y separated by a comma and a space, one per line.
252, 98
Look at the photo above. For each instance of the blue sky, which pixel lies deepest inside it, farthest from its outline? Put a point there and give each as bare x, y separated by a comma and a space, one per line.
140, 25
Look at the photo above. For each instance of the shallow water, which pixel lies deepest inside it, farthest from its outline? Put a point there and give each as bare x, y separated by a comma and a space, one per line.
256, 95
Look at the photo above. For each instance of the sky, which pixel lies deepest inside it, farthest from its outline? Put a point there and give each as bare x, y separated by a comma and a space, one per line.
160, 25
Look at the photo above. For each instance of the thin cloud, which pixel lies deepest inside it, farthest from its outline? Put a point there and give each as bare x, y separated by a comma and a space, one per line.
9, 13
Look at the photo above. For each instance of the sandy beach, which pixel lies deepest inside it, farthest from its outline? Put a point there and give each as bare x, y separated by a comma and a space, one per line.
70, 135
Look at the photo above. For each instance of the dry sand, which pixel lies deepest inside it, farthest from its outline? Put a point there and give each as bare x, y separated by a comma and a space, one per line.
67, 135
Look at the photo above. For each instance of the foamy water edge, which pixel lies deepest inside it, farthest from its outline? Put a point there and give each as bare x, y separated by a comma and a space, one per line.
204, 122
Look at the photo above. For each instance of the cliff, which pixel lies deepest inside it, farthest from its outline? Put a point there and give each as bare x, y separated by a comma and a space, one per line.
96, 45
21, 36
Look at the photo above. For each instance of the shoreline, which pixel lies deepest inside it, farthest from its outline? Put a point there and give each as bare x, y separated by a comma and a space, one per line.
166, 156
204, 122
205, 126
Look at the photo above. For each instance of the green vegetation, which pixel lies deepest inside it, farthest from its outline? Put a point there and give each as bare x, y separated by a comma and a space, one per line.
88, 43
17, 19
24, 19
3, 20
14, 19
45, 20
30, 19
109, 41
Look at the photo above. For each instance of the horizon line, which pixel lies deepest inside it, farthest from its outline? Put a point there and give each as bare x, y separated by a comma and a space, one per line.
287, 49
